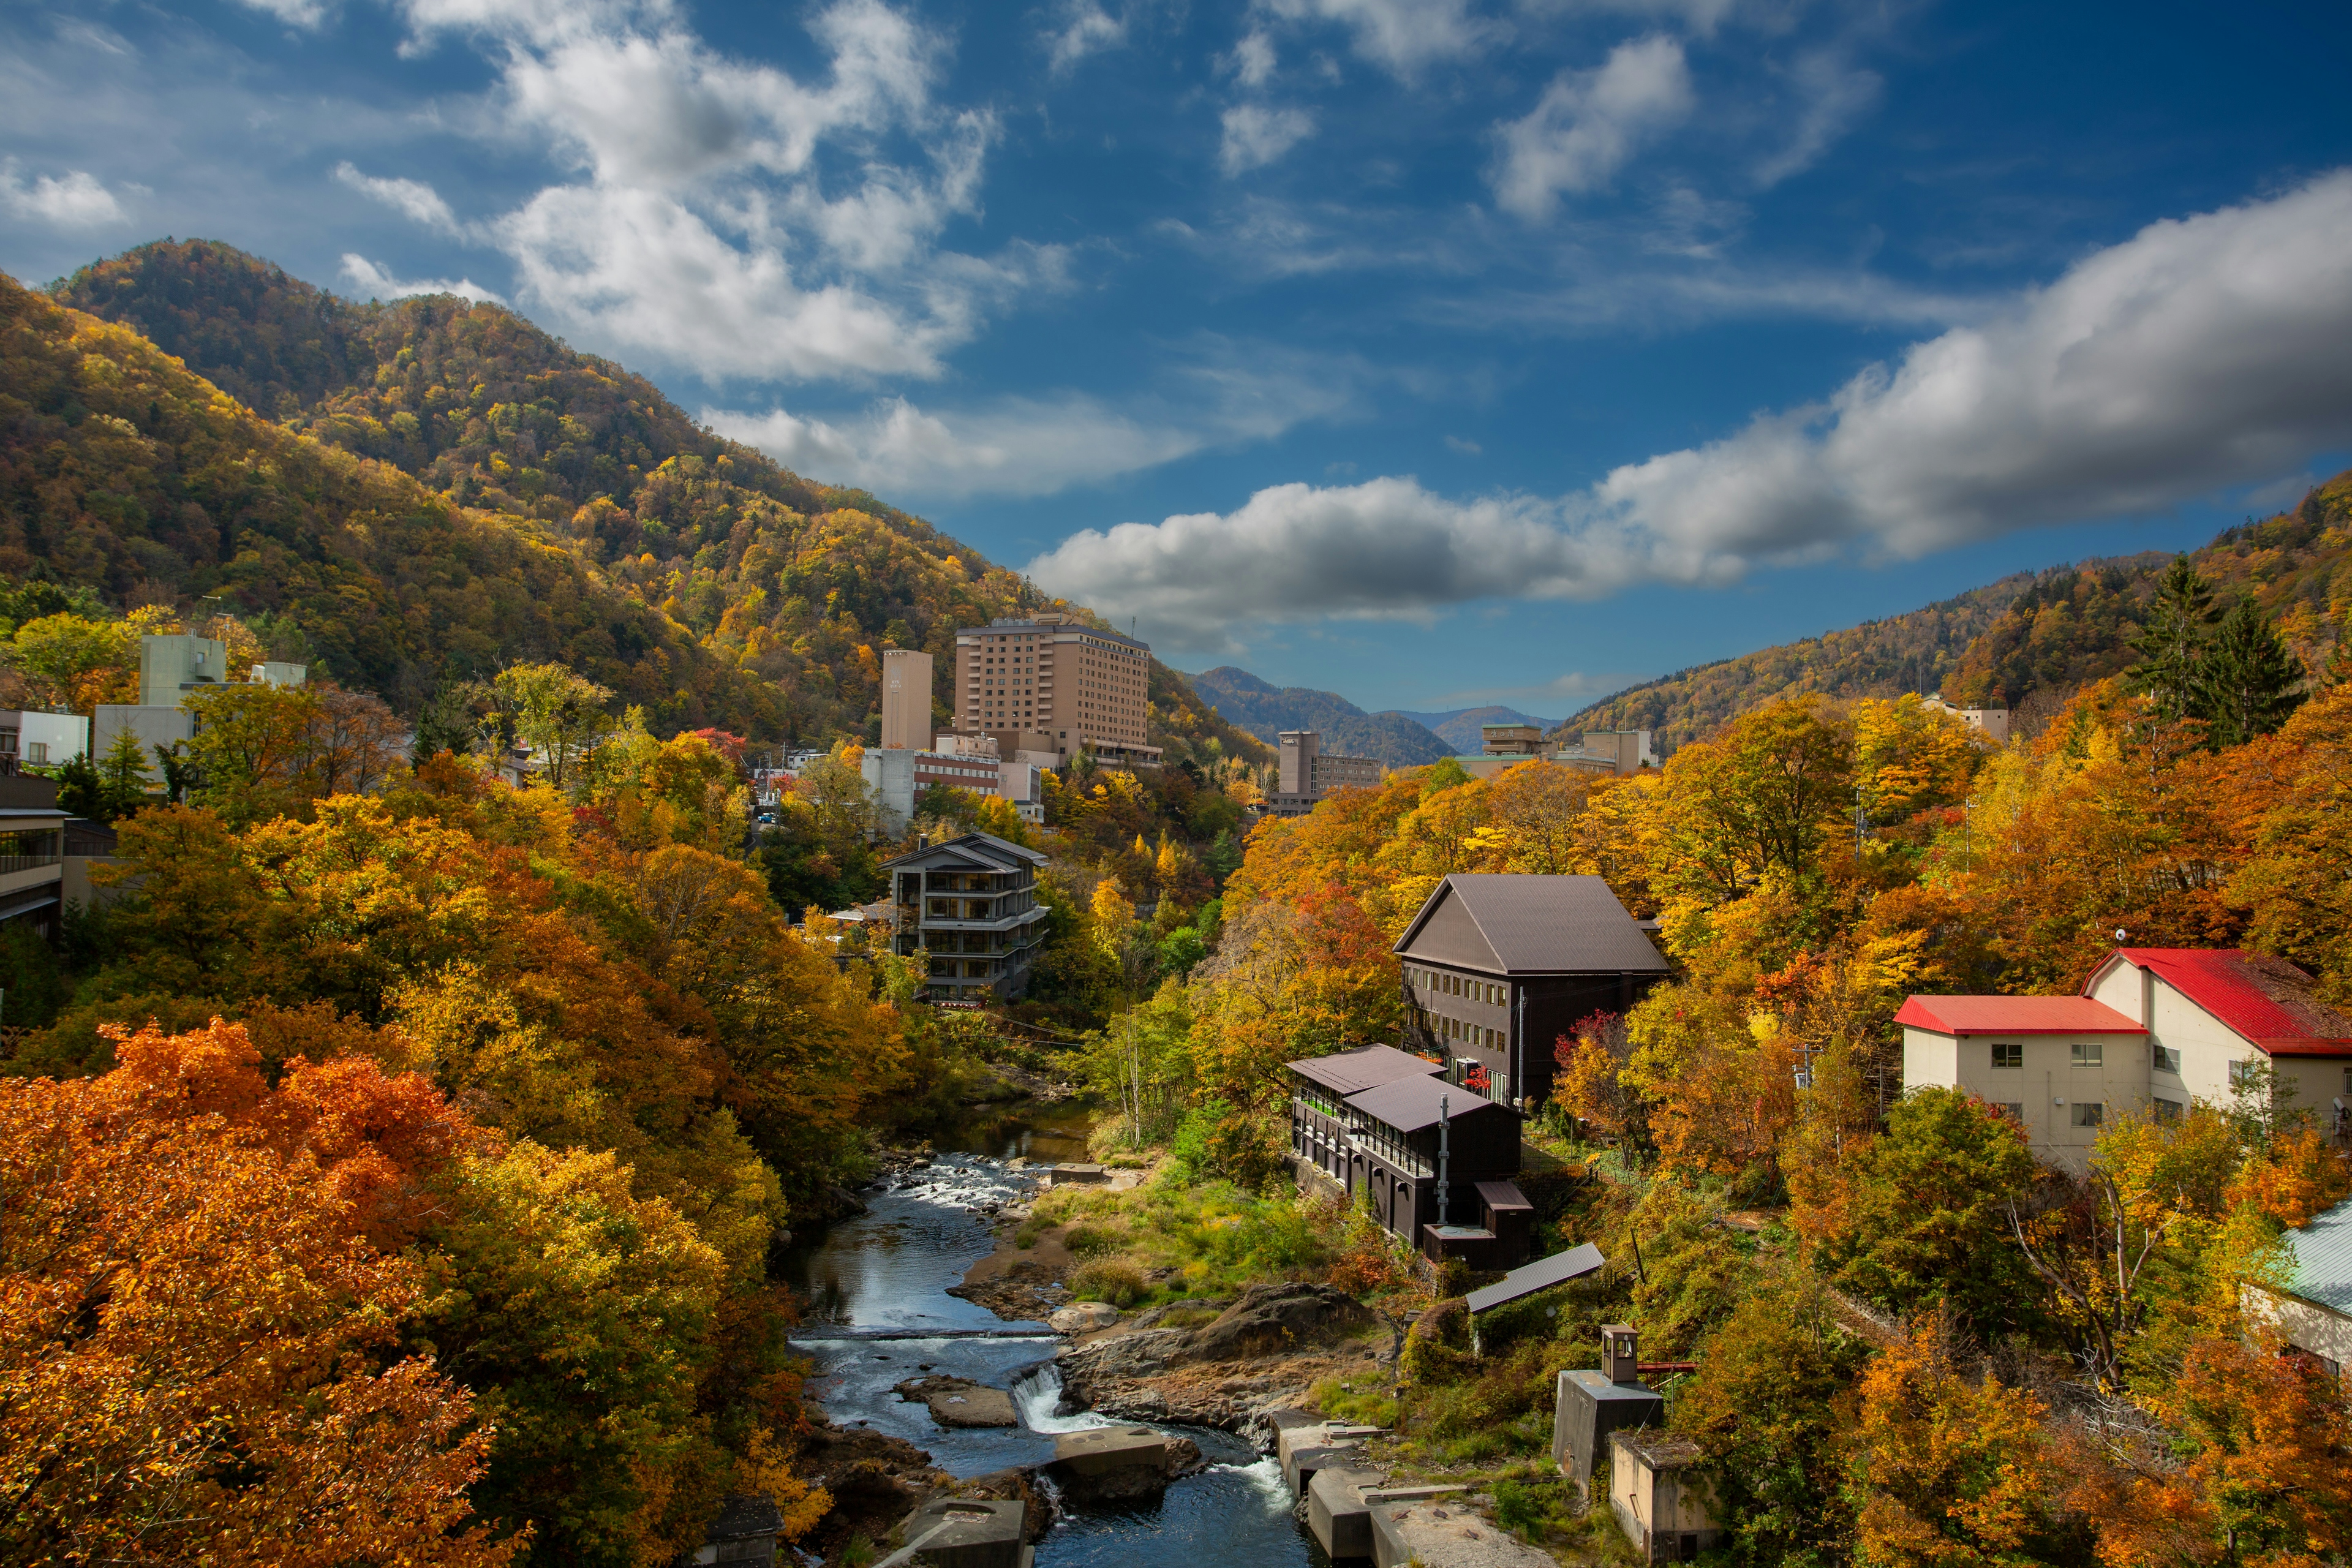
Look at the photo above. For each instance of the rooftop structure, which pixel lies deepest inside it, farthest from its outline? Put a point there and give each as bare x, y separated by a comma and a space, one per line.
1588, 1405
2313, 1315
2153, 1028
1510, 739
1496, 968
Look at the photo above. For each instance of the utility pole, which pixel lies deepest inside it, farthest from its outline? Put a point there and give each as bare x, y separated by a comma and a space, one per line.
1442, 1101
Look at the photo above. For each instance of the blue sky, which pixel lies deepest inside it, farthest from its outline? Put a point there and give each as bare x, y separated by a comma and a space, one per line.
1433, 351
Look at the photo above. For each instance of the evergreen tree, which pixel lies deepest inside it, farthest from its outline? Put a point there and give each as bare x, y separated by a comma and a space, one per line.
122, 775
2247, 681
2171, 644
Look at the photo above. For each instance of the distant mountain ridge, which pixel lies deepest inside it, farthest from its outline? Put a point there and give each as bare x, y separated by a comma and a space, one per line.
1265, 710
1460, 727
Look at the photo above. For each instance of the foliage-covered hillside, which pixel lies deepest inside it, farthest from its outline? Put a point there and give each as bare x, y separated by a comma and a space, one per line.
1910, 652
2050, 632
770, 595
1266, 711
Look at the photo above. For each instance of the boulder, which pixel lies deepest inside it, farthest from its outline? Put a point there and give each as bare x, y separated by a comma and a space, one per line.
1270, 1320
1119, 1464
958, 1402
1079, 1316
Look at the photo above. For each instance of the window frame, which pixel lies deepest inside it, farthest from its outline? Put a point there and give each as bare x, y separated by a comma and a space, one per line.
2098, 1116
2091, 1053
2015, 1050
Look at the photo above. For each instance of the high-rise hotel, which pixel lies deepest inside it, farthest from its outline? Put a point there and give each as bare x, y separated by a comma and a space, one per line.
1049, 684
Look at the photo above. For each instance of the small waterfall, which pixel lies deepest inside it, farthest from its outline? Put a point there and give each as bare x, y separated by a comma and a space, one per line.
1037, 1396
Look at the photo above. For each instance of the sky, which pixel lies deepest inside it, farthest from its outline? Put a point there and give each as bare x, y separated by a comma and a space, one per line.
1431, 352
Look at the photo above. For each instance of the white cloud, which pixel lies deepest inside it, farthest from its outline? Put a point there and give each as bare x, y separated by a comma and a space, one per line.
414, 198
1257, 135
2201, 354
1830, 94
1400, 36
1082, 27
713, 230
293, 12
1253, 59
1590, 123
1468, 448
375, 282
77, 200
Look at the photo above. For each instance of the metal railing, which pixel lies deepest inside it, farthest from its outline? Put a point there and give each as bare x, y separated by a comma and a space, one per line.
27, 862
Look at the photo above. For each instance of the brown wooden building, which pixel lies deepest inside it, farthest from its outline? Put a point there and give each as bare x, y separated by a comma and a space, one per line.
1498, 968
1366, 1121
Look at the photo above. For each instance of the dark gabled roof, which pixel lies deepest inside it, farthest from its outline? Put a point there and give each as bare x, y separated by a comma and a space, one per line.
1411, 1104
1536, 925
970, 851
1368, 1067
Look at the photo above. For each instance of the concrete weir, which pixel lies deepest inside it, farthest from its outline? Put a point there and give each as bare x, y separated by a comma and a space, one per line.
960, 1533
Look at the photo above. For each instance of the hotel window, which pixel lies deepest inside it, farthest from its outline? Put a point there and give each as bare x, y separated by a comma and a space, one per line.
2165, 1059
2089, 1054
2089, 1112
2007, 1054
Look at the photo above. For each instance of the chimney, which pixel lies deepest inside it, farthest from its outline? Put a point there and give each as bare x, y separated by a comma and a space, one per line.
922, 842
1620, 1352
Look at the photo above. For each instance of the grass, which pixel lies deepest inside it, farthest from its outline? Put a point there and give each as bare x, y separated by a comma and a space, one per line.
1208, 1239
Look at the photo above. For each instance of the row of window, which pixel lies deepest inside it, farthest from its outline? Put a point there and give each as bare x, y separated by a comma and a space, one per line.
1446, 1028
2084, 1112
2010, 1054
1446, 985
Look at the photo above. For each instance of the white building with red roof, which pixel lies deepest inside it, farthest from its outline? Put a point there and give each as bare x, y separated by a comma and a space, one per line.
2154, 1028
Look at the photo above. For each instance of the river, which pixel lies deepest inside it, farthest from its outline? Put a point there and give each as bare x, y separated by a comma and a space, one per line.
889, 1269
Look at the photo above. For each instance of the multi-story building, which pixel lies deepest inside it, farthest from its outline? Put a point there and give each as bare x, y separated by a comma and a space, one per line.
1510, 739
906, 699
969, 904
1992, 721
2153, 1029
1053, 687
1305, 773
32, 739
1499, 969
1621, 752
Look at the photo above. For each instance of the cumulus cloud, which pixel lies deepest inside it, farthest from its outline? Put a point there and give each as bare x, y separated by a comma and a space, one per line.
2201, 354
1588, 123
77, 200
293, 12
1256, 135
1253, 59
413, 198
710, 228
376, 282
1400, 36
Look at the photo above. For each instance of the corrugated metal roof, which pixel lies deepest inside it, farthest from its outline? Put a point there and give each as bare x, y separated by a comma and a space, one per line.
1409, 1104
1502, 1195
2265, 1001
2323, 1258
1368, 1067
2014, 1015
1544, 1272
1545, 925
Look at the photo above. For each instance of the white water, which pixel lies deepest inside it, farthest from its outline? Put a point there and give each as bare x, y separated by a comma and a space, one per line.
1037, 1396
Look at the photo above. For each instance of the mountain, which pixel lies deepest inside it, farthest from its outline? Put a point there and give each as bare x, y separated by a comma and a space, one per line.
2027, 639
707, 581
1459, 727
1265, 710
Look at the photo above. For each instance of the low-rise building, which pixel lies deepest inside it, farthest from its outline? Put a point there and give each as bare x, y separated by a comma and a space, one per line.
32, 739
1366, 1123
1992, 721
1510, 739
1305, 773
1498, 969
1615, 753
969, 905
2153, 1029
1662, 1495
32, 852
2313, 1314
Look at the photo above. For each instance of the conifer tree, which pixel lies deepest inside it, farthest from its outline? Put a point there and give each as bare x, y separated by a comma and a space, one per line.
2247, 682
2171, 644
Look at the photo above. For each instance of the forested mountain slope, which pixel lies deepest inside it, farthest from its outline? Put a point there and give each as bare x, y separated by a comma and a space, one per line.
1266, 711
2049, 632
773, 595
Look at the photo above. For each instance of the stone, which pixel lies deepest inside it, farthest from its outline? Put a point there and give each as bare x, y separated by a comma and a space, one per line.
965, 1532
1441, 1533
1077, 1174
1079, 1316
1337, 1513
1270, 1320
1119, 1464
958, 1402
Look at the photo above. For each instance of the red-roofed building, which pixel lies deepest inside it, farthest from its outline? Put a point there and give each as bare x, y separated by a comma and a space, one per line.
2154, 1026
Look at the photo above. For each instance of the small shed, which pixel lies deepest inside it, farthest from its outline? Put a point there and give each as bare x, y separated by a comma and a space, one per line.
1662, 1495
1593, 1405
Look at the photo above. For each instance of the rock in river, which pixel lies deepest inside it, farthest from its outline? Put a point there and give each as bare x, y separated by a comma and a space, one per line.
954, 1402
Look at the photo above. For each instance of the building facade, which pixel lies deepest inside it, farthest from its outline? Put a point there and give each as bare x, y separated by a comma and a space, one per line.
2153, 1029
1049, 684
1366, 1123
32, 739
1305, 773
969, 905
906, 699
1498, 969
2312, 1313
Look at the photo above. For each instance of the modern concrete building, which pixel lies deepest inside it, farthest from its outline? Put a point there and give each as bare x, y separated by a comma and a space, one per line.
32, 739
1306, 773
32, 852
1051, 684
1510, 739
2153, 1028
1662, 1495
906, 699
1994, 721
1498, 968
1369, 1122
1617, 752
170, 668
969, 904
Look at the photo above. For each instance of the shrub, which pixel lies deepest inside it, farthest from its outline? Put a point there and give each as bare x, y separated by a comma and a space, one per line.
1026, 1237
1108, 1280
1092, 1240
1521, 1508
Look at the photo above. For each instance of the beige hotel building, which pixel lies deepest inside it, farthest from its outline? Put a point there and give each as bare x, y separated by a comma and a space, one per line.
1050, 684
